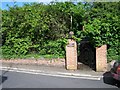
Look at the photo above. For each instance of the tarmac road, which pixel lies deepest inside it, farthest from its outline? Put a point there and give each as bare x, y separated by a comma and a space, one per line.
28, 80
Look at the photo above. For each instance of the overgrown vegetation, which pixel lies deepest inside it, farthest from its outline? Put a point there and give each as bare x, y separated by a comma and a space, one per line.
42, 29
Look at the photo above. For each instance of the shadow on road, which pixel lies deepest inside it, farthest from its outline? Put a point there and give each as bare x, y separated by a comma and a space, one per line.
2, 79
108, 79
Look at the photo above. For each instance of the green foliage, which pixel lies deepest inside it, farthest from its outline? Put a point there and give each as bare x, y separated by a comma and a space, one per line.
43, 29
35, 28
112, 54
54, 47
101, 26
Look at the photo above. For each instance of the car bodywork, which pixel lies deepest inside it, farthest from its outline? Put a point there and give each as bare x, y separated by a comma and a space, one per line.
116, 72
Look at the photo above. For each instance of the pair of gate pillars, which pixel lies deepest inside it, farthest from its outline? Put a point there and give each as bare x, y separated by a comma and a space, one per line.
71, 56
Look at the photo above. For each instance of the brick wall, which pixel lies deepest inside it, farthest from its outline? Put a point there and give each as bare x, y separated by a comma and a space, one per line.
101, 58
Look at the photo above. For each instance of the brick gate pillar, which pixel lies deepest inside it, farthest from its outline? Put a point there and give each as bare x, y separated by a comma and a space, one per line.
101, 58
71, 55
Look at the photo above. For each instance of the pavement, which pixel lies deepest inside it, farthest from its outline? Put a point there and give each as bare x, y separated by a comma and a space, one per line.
85, 73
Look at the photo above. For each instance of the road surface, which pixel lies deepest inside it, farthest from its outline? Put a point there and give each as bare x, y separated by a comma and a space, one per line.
29, 80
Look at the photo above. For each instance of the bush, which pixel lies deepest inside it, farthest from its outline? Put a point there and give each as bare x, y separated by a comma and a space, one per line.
54, 47
16, 47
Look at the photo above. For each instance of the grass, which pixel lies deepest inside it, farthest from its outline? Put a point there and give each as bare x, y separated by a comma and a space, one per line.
31, 56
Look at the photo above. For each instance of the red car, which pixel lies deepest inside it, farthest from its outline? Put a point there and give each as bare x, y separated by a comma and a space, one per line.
116, 72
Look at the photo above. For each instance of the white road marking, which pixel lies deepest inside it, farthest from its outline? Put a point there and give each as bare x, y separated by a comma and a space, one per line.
40, 72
